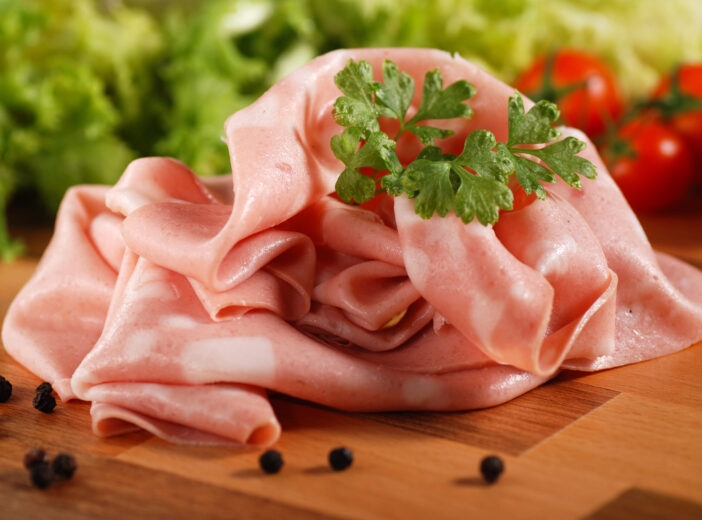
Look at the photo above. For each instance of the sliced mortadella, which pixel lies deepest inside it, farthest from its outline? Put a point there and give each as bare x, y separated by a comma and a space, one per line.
56, 318
104, 232
593, 333
220, 186
438, 352
168, 186
260, 349
684, 277
151, 180
282, 163
203, 414
349, 230
551, 237
372, 293
498, 303
262, 280
330, 263
262, 290
333, 326
653, 317
176, 235
290, 255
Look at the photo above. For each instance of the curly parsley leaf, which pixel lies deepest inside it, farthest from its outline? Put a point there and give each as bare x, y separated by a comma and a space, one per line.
439, 103
357, 108
356, 81
378, 153
395, 96
427, 134
429, 183
529, 173
560, 158
473, 184
352, 186
435, 153
534, 127
481, 198
440, 182
479, 155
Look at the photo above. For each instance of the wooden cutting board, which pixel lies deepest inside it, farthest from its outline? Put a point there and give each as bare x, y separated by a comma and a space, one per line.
623, 443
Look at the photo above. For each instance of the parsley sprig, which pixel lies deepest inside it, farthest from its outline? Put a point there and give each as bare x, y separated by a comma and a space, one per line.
473, 184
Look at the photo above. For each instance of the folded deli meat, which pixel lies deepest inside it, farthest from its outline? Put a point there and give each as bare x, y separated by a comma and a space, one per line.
175, 303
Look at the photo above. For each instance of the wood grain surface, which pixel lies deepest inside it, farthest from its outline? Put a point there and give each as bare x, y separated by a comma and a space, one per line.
623, 443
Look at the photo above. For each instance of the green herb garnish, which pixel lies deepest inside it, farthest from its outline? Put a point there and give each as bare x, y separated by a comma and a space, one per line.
473, 184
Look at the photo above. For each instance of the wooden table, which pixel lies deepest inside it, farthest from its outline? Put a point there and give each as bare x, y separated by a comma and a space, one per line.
623, 443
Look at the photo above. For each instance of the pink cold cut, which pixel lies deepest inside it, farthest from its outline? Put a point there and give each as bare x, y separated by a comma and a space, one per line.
174, 303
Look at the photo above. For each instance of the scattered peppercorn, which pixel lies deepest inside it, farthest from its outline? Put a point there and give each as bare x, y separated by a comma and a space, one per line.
491, 467
45, 388
271, 461
41, 475
44, 402
5, 390
35, 456
340, 458
64, 465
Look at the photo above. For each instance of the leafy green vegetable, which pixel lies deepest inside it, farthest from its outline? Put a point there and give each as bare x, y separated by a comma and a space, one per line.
378, 150
505, 36
356, 108
87, 85
534, 127
443, 104
366, 100
71, 92
220, 58
473, 184
397, 92
441, 183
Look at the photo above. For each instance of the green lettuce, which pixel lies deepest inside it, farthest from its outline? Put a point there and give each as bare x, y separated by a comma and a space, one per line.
639, 39
220, 59
72, 97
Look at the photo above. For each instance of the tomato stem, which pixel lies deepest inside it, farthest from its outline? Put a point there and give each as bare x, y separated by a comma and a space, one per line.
548, 90
674, 102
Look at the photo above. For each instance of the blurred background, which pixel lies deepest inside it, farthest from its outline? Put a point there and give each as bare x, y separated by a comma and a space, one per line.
88, 85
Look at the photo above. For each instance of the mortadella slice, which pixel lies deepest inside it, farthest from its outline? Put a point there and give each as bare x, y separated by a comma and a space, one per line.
202, 414
500, 304
281, 161
56, 318
260, 349
175, 303
653, 318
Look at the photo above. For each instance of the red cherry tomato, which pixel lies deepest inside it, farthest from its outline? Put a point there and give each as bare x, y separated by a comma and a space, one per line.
687, 123
583, 87
521, 199
660, 174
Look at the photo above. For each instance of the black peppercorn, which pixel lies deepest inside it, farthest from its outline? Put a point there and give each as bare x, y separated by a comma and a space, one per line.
491, 467
5, 390
64, 465
45, 388
41, 475
44, 402
340, 458
35, 456
271, 461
